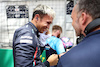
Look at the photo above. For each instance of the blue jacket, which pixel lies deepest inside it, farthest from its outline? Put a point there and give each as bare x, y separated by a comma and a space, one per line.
26, 47
85, 54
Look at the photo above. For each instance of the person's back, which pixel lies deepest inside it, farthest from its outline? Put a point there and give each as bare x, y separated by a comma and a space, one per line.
56, 46
86, 54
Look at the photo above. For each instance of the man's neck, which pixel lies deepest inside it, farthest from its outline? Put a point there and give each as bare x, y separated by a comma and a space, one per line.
54, 34
32, 21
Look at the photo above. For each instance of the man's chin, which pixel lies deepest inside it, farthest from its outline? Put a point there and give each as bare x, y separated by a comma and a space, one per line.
77, 34
41, 31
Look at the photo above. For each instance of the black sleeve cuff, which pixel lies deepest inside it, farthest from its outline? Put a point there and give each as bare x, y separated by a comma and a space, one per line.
47, 63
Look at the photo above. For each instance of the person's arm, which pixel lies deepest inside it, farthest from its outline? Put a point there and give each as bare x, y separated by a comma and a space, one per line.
61, 54
60, 48
53, 59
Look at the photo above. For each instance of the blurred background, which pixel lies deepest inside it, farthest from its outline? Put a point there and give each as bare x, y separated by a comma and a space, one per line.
16, 13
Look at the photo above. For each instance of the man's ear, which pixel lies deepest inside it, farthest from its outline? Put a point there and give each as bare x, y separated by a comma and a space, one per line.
58, 31
83, 18
37, 17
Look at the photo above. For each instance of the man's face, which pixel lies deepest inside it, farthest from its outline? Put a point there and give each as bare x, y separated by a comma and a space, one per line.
75, 22
44, 23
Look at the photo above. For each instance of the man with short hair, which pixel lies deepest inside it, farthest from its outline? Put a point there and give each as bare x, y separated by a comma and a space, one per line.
26, 44
86, 21
54, 42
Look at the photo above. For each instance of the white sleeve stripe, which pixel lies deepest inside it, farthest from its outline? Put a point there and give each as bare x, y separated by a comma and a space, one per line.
29, 37
26, 41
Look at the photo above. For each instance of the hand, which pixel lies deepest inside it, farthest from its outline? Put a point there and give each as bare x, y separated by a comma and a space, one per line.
53, 59
61, 54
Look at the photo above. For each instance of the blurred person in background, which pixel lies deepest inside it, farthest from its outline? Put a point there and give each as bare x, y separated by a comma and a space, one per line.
54, 44
86, 21
26, 44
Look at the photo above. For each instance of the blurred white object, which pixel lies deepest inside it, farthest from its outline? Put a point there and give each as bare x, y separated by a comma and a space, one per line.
43, 37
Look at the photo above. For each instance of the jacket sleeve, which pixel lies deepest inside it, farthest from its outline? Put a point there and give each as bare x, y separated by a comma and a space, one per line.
24, 48
59, 64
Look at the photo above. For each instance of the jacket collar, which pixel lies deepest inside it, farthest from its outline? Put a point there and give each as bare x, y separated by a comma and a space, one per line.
35, 29
93, 33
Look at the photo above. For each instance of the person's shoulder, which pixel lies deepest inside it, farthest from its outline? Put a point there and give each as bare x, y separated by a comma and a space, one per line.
24, 29
51, 37
55, 39
76, 52
58, 39
69, 57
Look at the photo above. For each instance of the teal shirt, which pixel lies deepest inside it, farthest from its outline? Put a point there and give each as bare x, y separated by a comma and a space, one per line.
56, 44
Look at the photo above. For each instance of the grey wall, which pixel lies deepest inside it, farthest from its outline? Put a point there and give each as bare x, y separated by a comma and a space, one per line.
8, 26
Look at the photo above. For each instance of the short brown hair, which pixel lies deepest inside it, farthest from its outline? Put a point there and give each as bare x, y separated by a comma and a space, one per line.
91, 7
56, 27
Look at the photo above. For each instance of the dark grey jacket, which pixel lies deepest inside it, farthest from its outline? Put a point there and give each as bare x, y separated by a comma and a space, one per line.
26, 47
